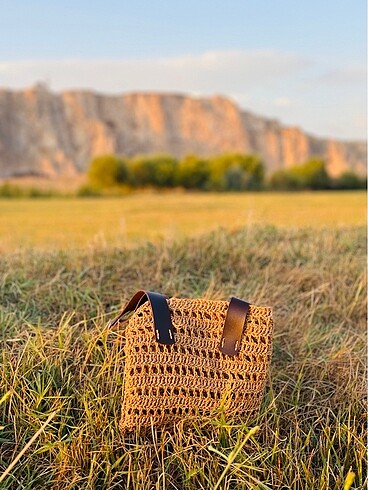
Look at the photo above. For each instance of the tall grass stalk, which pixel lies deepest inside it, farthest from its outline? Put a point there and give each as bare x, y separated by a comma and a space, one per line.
58, 356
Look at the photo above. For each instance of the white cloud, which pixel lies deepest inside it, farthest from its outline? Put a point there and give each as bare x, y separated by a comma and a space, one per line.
284, 85
217, 71
283, 102
345, 75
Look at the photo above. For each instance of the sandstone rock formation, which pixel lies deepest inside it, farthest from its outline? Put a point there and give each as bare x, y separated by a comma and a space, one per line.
56, 134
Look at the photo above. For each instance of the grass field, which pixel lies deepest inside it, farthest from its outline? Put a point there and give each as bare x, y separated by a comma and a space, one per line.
70, 223
64, 273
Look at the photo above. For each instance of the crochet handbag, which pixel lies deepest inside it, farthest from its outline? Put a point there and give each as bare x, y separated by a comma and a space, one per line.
190, 356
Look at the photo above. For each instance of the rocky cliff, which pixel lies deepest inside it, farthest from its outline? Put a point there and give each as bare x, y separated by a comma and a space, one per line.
48, 134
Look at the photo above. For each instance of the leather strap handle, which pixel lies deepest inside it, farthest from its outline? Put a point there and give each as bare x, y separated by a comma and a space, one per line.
164, 331
233, 328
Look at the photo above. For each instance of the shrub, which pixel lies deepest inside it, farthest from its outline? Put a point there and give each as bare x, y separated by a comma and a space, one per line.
9, 190
88, 191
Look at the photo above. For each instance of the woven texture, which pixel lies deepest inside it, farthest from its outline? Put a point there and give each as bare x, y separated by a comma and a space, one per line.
163, 383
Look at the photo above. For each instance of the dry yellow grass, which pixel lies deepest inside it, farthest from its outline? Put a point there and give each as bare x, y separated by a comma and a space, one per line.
62, 368
72, 222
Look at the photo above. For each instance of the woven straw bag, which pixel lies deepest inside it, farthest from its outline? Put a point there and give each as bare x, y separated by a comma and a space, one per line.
190, 356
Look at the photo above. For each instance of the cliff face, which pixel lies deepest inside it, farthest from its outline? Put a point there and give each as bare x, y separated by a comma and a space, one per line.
48, 134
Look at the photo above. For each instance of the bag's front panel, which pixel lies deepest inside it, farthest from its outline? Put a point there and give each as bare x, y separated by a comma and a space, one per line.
166, 382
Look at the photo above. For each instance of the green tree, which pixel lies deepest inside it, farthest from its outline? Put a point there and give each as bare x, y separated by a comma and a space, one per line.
165, 167
236, 172
192, 173
310, 175
152, 170
107, 171
350, 180
283, 180
141, 171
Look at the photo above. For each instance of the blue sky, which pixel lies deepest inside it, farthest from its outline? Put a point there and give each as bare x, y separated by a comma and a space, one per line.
303, 62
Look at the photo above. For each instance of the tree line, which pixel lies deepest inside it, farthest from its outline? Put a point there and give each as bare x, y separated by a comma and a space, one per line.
227, 172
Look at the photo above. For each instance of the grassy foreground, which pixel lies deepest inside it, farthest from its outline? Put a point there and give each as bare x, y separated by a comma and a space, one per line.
135, 218
58, 357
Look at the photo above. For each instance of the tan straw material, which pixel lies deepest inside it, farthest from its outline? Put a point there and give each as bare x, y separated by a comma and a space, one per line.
163, 383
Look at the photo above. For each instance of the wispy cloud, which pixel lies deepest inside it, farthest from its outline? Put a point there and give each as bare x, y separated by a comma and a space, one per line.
283, 102
285, 85
345, 75
222, 71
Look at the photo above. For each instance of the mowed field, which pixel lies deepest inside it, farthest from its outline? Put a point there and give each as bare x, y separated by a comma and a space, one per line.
131, 220
65, 270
